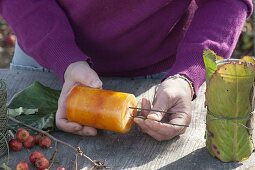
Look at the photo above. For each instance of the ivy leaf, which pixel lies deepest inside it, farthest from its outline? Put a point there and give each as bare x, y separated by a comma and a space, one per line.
20, 111
36, 105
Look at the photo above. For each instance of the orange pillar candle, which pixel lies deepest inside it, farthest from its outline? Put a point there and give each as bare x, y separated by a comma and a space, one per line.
102, 109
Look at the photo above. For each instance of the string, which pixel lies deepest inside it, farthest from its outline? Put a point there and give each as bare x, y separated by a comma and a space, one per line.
231, 119
3, 118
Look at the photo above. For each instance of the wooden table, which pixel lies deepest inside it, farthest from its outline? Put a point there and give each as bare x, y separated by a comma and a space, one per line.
134, 150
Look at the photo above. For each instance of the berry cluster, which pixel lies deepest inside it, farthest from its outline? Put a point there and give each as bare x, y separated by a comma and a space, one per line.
36, 158
24, 139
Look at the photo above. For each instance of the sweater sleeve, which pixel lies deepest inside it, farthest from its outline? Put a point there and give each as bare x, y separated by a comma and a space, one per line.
43, 32
216, 25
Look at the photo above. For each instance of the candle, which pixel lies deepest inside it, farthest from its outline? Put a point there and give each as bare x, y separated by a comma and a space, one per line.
102, 109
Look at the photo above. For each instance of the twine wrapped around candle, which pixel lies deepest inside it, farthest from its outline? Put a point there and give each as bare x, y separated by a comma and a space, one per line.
3, 118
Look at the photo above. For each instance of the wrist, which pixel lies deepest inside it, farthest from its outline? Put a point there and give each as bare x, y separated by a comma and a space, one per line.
187, 80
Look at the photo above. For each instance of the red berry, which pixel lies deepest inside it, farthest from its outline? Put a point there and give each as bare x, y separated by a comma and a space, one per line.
45, 142
38, 138
30, 142
41, 163
22, 166
35, 155
22, 134
15, 145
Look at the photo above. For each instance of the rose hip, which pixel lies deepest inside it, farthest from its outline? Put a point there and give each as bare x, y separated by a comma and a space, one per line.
38, 138
41, 163
22, 134
15, 145
45, 142
35, 155
22, 166
30, 142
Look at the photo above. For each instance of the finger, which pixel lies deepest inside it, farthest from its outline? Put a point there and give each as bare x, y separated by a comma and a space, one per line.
75, 128
156, 135
164, 129
61, 112
180, 119
141, 124
159, 131
67, 126
146, 104
152, 132
86, 131
66, 89
161, 104
87, 76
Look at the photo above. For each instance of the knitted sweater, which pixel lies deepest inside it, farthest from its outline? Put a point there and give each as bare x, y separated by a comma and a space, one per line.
127, 37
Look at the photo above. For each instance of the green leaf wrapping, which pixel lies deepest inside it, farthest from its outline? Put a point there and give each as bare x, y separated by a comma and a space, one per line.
210, 59
229, 95
39, 105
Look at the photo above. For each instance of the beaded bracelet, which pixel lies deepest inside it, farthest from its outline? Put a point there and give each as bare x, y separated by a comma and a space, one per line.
186, 79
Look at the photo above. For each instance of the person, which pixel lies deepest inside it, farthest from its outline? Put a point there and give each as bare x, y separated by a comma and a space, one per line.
82, 40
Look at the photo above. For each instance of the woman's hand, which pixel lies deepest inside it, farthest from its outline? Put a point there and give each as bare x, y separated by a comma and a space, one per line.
174, 96
76, 73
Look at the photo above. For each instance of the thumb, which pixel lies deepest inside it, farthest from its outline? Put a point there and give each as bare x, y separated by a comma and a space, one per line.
87, 76
159, 105
96, 83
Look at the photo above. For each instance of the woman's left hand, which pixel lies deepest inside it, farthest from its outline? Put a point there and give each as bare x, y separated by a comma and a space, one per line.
174, 96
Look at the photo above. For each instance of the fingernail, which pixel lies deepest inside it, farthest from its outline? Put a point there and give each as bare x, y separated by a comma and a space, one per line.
76, 128
154, 116
96, 83
137, 120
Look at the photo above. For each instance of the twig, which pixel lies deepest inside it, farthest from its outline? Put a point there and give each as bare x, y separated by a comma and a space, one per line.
41, 131
53, 158
76, 161
96, 164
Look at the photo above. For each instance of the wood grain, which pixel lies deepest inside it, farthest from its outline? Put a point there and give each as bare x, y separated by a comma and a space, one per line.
134, 150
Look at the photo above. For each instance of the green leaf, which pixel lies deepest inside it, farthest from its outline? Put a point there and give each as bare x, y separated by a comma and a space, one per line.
20, 111
210, 59
248, 59
229, 103
36, 105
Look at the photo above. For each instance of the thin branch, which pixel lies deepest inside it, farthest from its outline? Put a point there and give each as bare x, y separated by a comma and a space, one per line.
97, 164
43, 132
52, 159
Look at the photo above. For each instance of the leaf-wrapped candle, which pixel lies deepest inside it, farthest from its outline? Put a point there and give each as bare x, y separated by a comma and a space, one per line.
102, 109
229, 94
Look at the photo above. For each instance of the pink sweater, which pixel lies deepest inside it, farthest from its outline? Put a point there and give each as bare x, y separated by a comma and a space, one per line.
127, 37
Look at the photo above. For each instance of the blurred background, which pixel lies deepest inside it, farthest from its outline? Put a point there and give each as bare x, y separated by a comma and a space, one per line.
245, 44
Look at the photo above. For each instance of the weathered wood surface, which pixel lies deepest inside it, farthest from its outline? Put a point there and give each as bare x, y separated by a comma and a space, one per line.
134, 150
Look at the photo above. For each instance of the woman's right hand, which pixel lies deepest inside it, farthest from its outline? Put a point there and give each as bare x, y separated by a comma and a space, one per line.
76, 73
